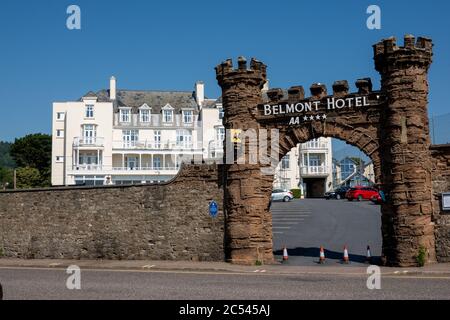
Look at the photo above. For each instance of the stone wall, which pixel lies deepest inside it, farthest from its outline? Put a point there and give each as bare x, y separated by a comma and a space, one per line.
168, 221
441, 183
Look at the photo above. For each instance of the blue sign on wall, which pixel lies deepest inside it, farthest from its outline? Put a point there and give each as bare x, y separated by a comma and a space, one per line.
213, 209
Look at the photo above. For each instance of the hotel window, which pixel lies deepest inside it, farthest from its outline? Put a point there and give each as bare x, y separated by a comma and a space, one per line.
285, 162
167, 116
125, 115
60, 115
89, 133
184, 138
144, 115
89, 111
187, 116
156, 163
60, 133
157, 139
220, 135
221, 113
130, 137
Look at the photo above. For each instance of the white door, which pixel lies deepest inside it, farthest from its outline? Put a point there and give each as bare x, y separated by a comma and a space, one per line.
132, 163
89, 134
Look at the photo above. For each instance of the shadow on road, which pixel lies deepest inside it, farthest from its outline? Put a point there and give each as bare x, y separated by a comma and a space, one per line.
333, 255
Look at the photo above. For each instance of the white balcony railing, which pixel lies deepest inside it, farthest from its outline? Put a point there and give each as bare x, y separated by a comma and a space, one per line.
88, 167
128, 169
314, 145
314, 170
151, 145
88, 142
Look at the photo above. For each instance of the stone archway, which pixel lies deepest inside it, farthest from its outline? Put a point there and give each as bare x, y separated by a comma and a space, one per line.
389, 125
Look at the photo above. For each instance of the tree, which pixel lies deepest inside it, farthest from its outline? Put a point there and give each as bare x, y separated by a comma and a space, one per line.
6, 161
28, 178
34, 151
6, 178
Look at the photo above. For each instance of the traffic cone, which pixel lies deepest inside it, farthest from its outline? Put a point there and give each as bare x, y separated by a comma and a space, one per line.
322, 255
369, 255
285, 254
345, 258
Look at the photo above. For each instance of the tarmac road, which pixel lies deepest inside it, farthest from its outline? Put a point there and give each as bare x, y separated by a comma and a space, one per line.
305, 225
48, 284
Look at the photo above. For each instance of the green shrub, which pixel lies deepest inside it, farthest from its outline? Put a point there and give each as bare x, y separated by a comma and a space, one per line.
297, 193
421, 257
258, 263
1, 252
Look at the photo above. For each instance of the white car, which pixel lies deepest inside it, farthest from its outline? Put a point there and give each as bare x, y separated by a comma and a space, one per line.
282, 195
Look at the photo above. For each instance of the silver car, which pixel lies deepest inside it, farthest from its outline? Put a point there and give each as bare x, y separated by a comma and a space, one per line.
282, 195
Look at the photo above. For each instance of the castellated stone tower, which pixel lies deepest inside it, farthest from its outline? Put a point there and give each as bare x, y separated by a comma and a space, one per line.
405, 156
248, 234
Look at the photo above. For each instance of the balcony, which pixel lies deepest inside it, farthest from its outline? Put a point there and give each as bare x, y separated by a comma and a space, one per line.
146, 170
151, 145
314, 171
90, 142
87, 167
314, 145
108, 170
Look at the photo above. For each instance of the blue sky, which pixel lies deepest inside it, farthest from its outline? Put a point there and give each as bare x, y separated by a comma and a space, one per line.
169, 45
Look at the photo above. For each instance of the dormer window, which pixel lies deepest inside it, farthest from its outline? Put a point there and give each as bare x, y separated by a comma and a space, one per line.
89, 111
144, 114
167, 116
125, 115
187, 116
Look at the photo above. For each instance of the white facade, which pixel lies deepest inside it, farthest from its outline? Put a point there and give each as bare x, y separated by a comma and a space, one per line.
115, 137
307, 167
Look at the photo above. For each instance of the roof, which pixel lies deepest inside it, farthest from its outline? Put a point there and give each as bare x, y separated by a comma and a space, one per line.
90, 94
156, 100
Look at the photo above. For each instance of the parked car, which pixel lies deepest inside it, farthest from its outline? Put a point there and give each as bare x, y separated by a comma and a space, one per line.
338, 193
282, 195
376, 199
361, 193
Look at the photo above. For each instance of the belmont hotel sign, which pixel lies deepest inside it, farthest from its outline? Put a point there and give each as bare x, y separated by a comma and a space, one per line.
301, 111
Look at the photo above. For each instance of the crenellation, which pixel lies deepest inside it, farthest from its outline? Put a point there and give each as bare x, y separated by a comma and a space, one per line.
296, 93
318, 91
364, 85
388, 56
242, 63
275, 95
340, 88
226, 74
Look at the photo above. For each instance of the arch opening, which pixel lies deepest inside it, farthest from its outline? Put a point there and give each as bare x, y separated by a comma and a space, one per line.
321, 215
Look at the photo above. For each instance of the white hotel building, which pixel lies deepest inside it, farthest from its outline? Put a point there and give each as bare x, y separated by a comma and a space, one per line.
307, 167
128, 136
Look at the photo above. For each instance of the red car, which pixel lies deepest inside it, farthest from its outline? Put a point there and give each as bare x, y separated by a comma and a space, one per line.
361, 193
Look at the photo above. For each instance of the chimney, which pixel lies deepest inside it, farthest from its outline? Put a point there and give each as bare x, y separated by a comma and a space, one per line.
112, 88
266, 86
200, 92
